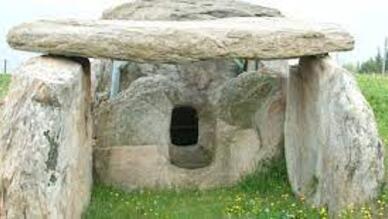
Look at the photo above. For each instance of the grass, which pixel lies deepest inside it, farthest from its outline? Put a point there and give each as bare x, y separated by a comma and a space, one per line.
258, 196
375, 89
261, 195
4, 82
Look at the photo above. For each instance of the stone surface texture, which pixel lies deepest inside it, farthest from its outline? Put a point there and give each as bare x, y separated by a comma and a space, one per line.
101, 77
183, 10
133, 147
179, 41
45, 141
333, 152
175, 10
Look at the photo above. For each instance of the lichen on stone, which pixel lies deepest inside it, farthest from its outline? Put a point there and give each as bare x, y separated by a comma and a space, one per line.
52, 157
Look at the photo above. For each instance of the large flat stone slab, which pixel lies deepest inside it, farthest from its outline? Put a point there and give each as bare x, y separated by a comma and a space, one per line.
177, 41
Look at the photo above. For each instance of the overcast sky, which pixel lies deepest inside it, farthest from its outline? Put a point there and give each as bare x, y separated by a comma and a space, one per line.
365, 19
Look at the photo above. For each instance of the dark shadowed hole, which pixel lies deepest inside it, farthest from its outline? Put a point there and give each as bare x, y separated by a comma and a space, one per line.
184, 126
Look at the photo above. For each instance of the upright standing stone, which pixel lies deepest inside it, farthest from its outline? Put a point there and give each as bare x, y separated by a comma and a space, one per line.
333, 152
45, 141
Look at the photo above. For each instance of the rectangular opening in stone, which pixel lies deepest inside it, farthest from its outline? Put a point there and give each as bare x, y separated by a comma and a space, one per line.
184, 126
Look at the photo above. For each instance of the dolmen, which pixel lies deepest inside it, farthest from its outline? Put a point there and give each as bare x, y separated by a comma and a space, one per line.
182, 94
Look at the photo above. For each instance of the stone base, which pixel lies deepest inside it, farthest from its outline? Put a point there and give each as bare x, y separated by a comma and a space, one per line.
149, 166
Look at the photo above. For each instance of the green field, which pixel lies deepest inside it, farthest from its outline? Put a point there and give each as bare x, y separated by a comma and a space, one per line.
4, 81
261, 195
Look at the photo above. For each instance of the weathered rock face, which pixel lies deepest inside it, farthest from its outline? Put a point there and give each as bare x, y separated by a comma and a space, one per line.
101, 77
180, 41
133, 136
178, 10
45, 141
242, 97
333, 152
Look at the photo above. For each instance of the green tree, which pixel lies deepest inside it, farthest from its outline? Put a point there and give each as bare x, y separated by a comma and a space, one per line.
372, 65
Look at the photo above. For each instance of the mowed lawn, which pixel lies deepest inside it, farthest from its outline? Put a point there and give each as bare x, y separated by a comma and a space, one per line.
261, 195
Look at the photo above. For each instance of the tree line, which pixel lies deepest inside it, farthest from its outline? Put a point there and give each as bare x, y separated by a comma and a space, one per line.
374, 65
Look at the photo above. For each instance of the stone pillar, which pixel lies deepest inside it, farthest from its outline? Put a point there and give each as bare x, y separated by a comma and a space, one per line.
333, 152
45, 140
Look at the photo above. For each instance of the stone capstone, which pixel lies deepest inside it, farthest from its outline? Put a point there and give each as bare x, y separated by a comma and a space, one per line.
45, 140
333, 152
181, 41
